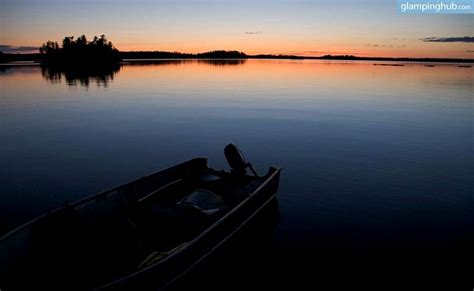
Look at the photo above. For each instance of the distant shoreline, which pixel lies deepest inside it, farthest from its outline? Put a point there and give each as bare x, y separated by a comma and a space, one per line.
7, 58
409, 60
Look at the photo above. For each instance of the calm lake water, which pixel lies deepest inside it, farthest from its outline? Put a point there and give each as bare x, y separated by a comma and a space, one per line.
374, 156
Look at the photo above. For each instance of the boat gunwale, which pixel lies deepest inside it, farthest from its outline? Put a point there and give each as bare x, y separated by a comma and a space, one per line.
223, 241
94, 196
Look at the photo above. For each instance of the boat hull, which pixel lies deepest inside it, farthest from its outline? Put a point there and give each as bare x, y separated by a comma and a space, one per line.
18, 245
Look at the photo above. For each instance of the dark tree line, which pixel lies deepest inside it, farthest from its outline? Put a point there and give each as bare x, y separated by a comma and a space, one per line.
80, 51
223, 54
219, 54
83, 53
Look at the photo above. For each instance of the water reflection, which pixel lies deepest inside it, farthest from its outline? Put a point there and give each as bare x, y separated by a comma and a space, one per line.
103, 75
223, 62
100, 75
373, 156
215, 62
15, 70
362, 145
144, 63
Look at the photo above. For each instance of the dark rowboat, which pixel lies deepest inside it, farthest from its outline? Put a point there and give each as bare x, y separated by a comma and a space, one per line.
146, 233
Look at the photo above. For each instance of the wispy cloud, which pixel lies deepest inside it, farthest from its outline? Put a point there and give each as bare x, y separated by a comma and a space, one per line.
18, 49
448, 39
384, 45
319, 53
250, 32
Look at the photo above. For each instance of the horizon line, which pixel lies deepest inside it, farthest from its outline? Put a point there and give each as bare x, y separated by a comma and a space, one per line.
280, 55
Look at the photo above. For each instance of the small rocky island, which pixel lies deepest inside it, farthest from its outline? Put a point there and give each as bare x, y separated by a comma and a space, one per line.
80, 52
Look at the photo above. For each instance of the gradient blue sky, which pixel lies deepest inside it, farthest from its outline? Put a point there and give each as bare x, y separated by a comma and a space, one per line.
365, 28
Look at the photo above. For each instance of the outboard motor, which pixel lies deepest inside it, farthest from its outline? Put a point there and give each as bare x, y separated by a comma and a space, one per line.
236, 161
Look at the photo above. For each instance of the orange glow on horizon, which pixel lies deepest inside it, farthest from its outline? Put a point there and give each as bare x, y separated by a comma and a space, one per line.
356, 51
370, 28
276, 46
411, 49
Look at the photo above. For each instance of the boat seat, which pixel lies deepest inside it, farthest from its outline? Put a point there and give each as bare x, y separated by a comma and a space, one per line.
158, 222
204, 201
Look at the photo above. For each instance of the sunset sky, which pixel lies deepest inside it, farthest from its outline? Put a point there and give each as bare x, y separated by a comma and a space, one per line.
362, 28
